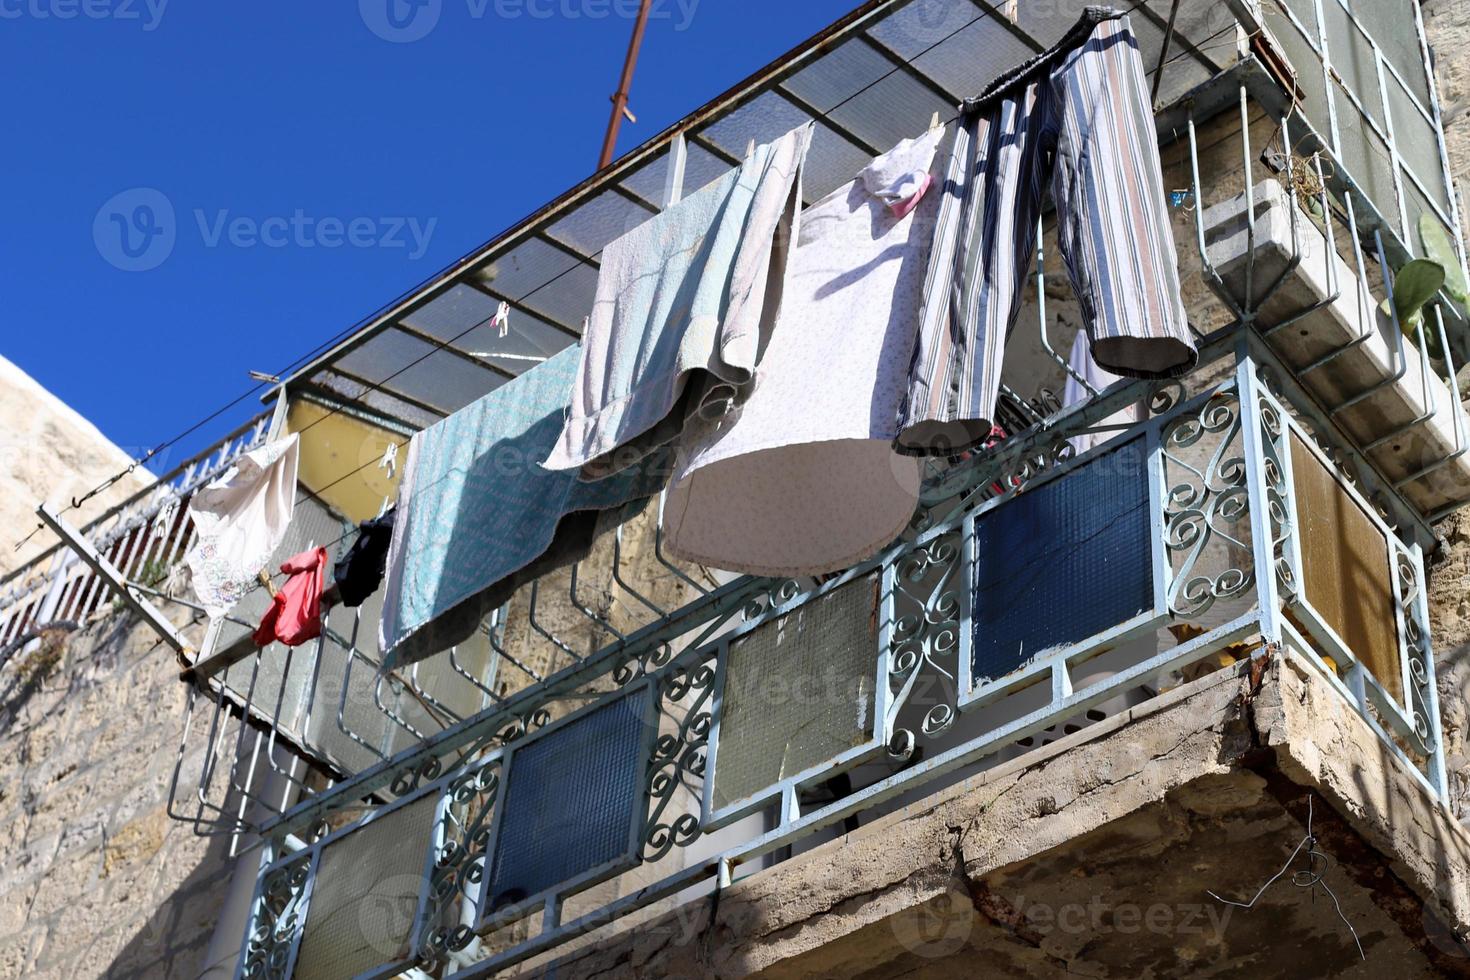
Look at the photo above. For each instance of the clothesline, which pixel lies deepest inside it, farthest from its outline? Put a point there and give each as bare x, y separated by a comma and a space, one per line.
783, 369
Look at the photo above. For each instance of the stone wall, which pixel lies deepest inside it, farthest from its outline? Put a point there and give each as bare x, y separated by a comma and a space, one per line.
1447, 25
95, 878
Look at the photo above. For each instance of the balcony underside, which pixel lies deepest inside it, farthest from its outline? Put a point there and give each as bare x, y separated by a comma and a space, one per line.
1093, 856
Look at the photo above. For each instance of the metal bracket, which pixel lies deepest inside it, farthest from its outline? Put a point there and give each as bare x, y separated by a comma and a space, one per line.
114, 579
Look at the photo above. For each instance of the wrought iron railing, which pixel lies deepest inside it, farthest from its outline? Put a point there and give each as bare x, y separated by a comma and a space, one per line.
144, 536
408, 804
656, 730
765, 716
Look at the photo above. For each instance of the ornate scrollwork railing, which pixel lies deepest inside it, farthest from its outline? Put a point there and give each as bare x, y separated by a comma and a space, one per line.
927, 593
280, 914
1207, 512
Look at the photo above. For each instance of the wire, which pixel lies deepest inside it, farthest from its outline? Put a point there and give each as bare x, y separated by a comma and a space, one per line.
77, 502
1309, 877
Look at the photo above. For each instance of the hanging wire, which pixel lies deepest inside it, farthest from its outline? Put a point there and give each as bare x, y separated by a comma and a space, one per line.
77, 502
1308, 877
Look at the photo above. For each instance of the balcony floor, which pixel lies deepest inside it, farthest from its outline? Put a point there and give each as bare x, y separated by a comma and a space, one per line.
1092, 856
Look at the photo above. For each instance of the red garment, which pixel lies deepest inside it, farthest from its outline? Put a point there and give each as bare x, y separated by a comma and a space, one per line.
295, 615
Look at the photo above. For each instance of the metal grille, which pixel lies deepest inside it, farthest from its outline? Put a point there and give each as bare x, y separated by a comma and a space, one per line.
1063, 562
365, 894
1345, 568
798, 691
570, 802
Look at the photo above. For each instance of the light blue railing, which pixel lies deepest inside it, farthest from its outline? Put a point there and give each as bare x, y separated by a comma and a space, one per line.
1193, 512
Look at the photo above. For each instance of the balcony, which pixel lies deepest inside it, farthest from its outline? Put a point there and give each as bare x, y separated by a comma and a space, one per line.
1203, 586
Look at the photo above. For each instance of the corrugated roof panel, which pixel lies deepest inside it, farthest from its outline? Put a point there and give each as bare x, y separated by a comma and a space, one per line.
374, 400
896, 108
418, 369
701, 168
834, 77
964, 58
602, 219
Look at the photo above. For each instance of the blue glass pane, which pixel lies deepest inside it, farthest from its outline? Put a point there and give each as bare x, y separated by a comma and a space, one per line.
569, 802
1062, 562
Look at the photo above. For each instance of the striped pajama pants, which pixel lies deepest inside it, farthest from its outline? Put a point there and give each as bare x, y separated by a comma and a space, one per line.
1076, 117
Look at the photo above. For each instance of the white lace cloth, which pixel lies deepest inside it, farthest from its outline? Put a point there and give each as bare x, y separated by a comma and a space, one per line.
240, 519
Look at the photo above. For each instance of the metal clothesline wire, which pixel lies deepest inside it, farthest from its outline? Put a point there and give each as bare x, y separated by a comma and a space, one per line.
443, 344
437, 346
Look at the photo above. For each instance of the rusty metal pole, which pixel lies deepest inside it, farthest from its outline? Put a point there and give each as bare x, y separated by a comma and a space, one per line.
620, 97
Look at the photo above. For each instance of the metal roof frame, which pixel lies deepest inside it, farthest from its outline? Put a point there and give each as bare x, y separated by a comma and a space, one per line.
607, 189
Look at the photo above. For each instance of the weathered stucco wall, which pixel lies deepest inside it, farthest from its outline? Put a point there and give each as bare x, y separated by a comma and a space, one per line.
95, 879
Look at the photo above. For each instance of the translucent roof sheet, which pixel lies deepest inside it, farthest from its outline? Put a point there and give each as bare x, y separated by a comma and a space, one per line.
607, 216
875, 77
405, 365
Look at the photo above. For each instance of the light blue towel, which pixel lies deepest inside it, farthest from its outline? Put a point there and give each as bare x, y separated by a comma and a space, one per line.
478, 515
684, 305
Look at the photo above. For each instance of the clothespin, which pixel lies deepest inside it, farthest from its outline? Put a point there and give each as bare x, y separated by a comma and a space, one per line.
750, 149
934, 122
389, 461
383, 507
1009, 9
265, 580
502, 318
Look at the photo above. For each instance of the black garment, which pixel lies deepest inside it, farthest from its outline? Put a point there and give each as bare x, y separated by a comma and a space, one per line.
359, 572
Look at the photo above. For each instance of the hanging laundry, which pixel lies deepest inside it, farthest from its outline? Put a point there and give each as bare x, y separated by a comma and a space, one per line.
478, 514
684, 304
1077, 117
240, 519
359, 573
802, 478
1074, 393
295, 613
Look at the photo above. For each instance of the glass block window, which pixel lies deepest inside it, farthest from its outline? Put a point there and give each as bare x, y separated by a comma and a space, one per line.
1345, 568
570, 801
1382, 103
798, 691
1062, 562
365, 894
1391, 24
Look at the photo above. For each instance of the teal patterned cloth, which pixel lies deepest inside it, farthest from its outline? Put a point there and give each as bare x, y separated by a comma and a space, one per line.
478, 515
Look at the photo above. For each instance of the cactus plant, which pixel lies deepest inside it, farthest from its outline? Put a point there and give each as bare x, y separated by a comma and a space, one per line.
1418, 282
1438, 248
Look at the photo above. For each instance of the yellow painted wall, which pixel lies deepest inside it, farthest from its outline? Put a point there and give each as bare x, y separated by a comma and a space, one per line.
340, 456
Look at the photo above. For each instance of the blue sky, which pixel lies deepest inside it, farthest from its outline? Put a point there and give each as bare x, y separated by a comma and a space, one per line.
314, 169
